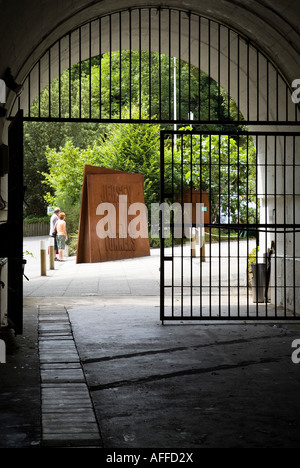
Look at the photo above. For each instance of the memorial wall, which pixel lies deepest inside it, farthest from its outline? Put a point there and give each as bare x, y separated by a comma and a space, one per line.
113, 221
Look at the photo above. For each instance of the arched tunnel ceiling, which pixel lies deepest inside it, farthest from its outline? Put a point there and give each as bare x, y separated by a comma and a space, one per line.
29, 28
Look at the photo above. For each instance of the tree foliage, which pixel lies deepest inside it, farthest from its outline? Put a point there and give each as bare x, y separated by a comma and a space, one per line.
224, 167
120, 85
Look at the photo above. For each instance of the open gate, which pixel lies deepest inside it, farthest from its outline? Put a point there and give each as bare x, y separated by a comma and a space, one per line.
11, 250
171, 67
241, 262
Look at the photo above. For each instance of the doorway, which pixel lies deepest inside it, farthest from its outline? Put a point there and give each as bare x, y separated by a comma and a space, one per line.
178, 69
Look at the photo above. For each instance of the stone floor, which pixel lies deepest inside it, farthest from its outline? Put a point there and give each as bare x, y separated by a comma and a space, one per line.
96, 368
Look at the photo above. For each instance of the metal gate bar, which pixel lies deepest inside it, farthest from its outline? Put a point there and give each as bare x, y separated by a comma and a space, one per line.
129, 57
257, 181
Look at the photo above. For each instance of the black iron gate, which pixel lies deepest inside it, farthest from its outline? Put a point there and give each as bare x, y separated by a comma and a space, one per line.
239, 260
172, 67
13, 229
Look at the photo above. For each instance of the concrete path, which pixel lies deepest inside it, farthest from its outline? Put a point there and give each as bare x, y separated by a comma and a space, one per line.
136, 277
163, 386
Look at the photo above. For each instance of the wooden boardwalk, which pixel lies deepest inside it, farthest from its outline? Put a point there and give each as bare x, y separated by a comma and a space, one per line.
68, 417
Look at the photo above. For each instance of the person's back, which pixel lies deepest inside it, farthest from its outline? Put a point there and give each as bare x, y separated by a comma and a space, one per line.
62, 236
61, 227
54, 218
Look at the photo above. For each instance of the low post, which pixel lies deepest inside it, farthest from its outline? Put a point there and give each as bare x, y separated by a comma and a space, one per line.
51, 253
193, 242
202, 244
43, 258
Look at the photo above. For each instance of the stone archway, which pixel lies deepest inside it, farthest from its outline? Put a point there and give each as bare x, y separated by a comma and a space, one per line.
250, 77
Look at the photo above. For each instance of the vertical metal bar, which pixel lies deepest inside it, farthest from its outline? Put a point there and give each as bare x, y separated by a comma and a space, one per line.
248, 82
170, 66
110, 68
220, 247
130, 64
266, 220
209, 70
159, 62
39, 87
29, 98
120, 63
140, 63
219, 71
228, 216
189, 64
294, 222
210, 222
161, 231
238, 76
70, 76
268, 92
287, 100
100, 68
257, 85
256, 205
200, 263
172, 232
247, 216
275, 221
181, 198
284, 229
229, 90
199, 67
277, 99
90, 70
192, 229
59, 79
296, 113
179, 63
150, 57
49, 82
80, 75
238, 220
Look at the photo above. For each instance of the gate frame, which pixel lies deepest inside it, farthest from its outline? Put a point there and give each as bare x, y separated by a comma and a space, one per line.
289, 227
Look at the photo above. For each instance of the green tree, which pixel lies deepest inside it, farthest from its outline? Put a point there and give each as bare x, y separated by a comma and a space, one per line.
38, 136
225, 167
128, 79
120, 85
135, 148
65, 175
128, 147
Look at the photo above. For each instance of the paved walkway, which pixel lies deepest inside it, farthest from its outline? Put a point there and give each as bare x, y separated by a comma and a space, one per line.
189, 386
136, 277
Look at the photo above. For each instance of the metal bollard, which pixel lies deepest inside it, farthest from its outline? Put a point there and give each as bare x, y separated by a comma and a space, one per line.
51, 253
43, 258
202, 245
193, 242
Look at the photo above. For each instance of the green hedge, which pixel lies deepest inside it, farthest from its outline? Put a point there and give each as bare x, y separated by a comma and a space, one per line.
36, 219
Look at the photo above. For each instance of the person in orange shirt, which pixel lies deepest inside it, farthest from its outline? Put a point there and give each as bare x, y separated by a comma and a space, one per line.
62, 235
